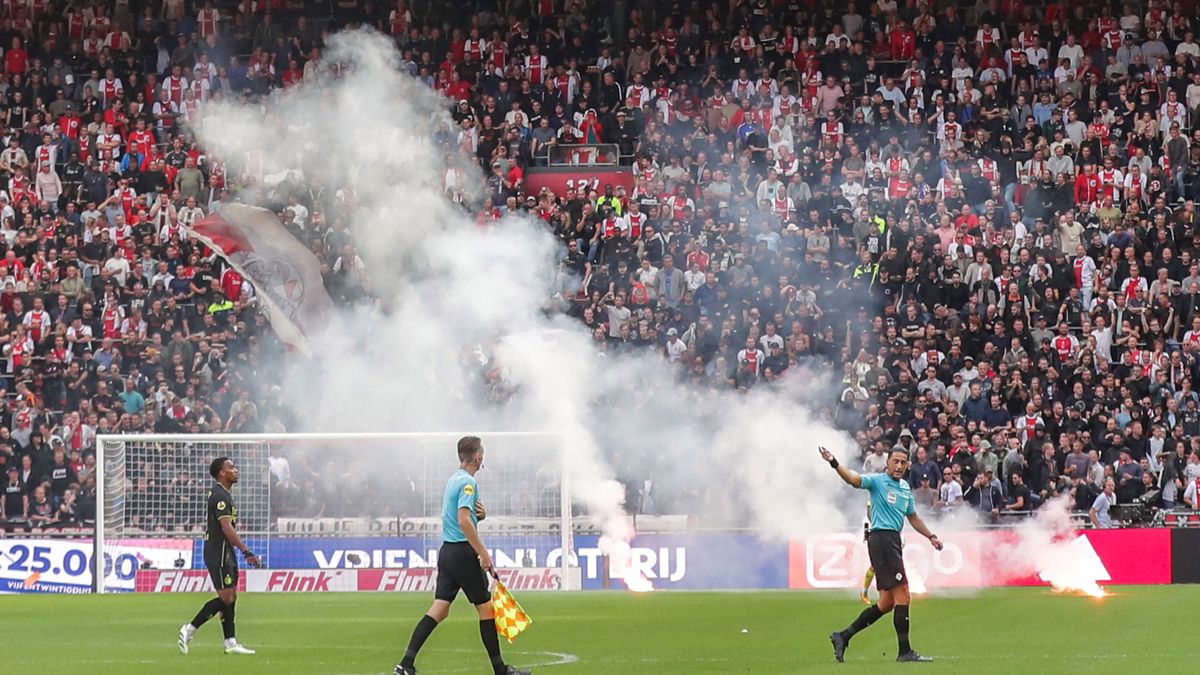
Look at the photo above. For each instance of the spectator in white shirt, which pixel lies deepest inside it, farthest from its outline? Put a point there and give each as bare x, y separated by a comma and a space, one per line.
1189, 46
675, 347
694, 277
950, 494
1071, 51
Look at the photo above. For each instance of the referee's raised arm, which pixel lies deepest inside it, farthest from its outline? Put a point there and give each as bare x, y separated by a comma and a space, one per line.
851, 477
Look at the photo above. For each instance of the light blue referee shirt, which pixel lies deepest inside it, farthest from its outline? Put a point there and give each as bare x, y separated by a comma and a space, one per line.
891, 501
461, 492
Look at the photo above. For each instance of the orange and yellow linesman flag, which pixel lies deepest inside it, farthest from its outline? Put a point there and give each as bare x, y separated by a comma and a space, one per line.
511, 620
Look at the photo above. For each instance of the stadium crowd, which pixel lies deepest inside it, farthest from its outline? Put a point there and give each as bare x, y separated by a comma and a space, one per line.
982, 214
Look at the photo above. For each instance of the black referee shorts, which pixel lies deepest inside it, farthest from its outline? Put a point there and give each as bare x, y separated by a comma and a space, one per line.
887, 557
222, 567
459, 569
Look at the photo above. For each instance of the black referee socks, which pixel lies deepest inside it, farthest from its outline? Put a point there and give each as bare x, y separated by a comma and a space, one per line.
869, 616
900, 619
491, 641
420, 634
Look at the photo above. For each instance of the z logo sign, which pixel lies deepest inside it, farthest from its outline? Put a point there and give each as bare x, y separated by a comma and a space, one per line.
829, 561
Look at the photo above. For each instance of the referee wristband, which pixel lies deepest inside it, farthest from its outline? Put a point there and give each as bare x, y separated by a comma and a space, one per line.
247, 553
833, 463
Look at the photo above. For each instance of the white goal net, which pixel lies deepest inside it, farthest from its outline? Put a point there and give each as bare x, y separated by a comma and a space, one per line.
362, 509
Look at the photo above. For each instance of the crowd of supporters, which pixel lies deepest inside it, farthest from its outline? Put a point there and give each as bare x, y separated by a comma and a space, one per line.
981, 214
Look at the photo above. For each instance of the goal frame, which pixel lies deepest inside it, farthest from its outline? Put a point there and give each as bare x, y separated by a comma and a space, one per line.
99, 538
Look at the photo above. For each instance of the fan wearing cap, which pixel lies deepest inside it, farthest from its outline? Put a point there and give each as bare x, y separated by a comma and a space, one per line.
985, 459
969, 372
958, 391
675, 347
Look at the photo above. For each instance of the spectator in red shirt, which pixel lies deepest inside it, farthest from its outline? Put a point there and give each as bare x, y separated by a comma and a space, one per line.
903, 41
16, 60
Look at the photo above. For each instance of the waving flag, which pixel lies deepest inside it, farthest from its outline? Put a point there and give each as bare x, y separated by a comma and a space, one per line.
286, 276
511, 620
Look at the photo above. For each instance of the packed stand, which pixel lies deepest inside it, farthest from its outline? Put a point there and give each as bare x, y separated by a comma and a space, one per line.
113, 319
981, 215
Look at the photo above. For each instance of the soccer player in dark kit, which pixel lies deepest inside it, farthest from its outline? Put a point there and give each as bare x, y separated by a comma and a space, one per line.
463, 563
891, 504
220, 541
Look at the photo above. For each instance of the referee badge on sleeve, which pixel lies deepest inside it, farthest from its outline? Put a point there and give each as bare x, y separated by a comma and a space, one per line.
468, 490
220, 506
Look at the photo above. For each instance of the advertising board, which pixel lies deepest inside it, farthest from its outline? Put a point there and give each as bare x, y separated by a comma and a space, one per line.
977, 559
29, 565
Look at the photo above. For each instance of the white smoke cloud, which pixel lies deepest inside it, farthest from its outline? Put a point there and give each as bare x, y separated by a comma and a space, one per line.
1046, 547
448, 284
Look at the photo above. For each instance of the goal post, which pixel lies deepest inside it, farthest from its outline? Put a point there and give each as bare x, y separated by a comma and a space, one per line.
364, 509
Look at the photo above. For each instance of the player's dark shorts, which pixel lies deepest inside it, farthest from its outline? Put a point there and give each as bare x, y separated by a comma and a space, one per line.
887, 557
459, 568
222, 567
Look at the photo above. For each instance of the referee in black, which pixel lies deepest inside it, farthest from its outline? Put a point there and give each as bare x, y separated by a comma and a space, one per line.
891, 504
220, 541
463, 562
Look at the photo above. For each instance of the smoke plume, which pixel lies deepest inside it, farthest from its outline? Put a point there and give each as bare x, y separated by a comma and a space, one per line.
1046, 547
369, 137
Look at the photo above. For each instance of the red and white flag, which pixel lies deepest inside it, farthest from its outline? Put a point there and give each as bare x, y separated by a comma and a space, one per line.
285, 274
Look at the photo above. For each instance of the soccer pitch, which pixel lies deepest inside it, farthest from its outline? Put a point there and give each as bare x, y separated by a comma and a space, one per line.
1138, 629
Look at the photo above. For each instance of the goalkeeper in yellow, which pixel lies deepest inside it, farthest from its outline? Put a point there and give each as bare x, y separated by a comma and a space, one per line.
463, 563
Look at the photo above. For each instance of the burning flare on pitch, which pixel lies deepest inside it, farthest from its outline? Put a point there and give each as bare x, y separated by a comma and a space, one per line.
1071, 566
916, 584
1084, 588
620, 566
1047, 547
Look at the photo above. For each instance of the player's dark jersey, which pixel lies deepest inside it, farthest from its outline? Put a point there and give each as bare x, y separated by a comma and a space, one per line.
220, 505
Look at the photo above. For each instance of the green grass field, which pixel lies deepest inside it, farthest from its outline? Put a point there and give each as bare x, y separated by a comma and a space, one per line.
1137, 630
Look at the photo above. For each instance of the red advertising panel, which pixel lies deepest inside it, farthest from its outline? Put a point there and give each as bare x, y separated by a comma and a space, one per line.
177, 581
1134, 556
559, 179
1129, 556
971, 559
424, 579
411, 579
301, 581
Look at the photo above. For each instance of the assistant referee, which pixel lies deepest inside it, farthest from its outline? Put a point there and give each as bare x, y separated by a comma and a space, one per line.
462, 563
891, 502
